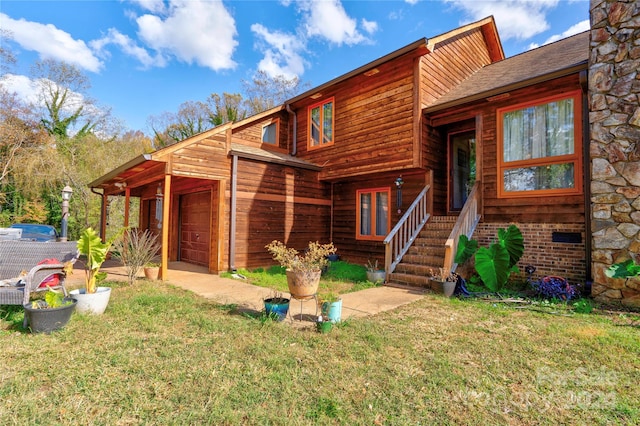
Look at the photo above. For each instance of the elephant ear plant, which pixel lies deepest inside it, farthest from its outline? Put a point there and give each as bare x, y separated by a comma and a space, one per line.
95, 251
494, 264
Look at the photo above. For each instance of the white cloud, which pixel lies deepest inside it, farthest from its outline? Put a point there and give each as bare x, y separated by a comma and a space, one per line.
22, 86
192, 31
329, 20
369, 26
580, 27
31, 92
51, 43
411, 2
282, 56
153, 6
129, 47
519, 19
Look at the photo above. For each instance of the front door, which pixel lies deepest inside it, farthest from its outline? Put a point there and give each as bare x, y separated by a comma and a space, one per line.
195, 228
461, 167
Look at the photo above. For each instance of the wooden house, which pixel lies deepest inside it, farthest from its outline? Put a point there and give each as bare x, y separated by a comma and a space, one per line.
390, 161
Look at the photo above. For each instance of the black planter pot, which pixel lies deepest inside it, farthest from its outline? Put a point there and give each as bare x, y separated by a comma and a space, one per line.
49, 319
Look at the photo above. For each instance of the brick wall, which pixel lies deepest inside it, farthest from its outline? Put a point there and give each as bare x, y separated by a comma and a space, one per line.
566, 259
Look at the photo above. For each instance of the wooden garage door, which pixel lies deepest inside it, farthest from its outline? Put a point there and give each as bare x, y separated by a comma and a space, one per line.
195, 232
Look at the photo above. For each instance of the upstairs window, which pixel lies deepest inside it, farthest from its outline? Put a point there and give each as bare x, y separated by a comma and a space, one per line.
373, 220
270, 132
539, 148
321, 124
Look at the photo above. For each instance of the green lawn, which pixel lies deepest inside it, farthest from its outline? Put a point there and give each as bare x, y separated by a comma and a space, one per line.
161, 355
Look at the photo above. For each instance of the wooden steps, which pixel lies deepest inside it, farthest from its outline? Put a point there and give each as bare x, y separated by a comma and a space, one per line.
426, 253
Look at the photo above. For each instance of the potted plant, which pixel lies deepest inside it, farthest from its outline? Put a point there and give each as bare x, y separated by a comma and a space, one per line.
331, 307
152, 270
276, 306
303, 270
444, 282
93, 298
323, 325
375, 274
137, 250
49, 314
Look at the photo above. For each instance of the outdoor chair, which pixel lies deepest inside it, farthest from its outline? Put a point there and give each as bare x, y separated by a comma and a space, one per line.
22, 273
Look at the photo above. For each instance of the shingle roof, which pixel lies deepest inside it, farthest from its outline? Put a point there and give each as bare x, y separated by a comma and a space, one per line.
538, 64
255, 153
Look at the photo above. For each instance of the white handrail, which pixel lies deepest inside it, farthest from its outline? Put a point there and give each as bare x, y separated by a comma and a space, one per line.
405, 232
466, 224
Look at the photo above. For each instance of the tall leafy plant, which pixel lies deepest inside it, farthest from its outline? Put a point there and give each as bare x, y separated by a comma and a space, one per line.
494, 264
90, 245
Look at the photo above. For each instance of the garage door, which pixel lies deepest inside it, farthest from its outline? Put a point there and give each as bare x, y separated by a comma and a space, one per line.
195, 232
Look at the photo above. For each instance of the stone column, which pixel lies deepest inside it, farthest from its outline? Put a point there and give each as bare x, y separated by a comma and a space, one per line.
614, 117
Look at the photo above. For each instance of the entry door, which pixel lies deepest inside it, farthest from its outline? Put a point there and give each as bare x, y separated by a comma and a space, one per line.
461, 167
195, 228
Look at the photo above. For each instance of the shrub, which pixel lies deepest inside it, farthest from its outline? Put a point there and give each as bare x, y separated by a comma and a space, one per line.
554, 288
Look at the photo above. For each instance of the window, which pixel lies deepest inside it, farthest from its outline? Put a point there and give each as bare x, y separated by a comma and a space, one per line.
540, 145
270, 132
321, 124
373, 220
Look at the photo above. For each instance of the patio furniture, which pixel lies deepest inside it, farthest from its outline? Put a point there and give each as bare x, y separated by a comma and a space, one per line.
18, 257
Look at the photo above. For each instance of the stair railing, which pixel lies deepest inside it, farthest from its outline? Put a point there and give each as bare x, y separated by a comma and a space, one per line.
466, 224
405, 232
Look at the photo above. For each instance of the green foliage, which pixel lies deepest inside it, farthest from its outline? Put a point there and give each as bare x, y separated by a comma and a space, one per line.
494, 264
583, 306
626, 269
466, 249
90, 245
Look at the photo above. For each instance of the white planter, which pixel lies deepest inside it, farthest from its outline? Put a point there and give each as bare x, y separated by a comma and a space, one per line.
92, 303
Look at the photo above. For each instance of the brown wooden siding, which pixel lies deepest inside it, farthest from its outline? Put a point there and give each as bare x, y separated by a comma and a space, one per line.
206, 158
451, 62
344, 212
537, 209
373, 123
251, 134
276, 202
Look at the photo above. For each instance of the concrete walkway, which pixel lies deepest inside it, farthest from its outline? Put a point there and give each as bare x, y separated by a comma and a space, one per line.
250, 298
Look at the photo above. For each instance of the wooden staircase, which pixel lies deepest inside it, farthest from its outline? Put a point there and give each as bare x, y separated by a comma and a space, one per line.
426, 253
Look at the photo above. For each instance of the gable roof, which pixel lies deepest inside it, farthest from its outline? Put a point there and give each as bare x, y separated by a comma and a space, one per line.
544, 63
419, 47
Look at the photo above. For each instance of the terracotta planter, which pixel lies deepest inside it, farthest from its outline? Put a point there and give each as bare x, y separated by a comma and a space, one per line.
152, 272
303, 284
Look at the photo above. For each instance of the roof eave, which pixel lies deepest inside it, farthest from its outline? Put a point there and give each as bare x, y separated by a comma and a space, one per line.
275, 160
115, 172
418, 44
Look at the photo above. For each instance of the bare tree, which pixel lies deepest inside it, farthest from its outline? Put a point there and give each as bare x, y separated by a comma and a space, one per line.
265, 92
63, 93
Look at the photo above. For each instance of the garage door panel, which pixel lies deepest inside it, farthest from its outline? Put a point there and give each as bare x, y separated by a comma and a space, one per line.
195, 214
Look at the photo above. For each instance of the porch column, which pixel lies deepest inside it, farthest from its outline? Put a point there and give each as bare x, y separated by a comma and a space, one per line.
165, 227
127, 196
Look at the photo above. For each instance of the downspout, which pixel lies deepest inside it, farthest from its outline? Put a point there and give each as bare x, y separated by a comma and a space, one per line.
294, 150
586, 166
232, 214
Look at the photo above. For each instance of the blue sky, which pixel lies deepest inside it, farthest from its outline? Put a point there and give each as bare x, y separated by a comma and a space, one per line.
145, 57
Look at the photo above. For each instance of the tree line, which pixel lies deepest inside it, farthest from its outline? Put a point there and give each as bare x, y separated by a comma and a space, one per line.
67, 138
